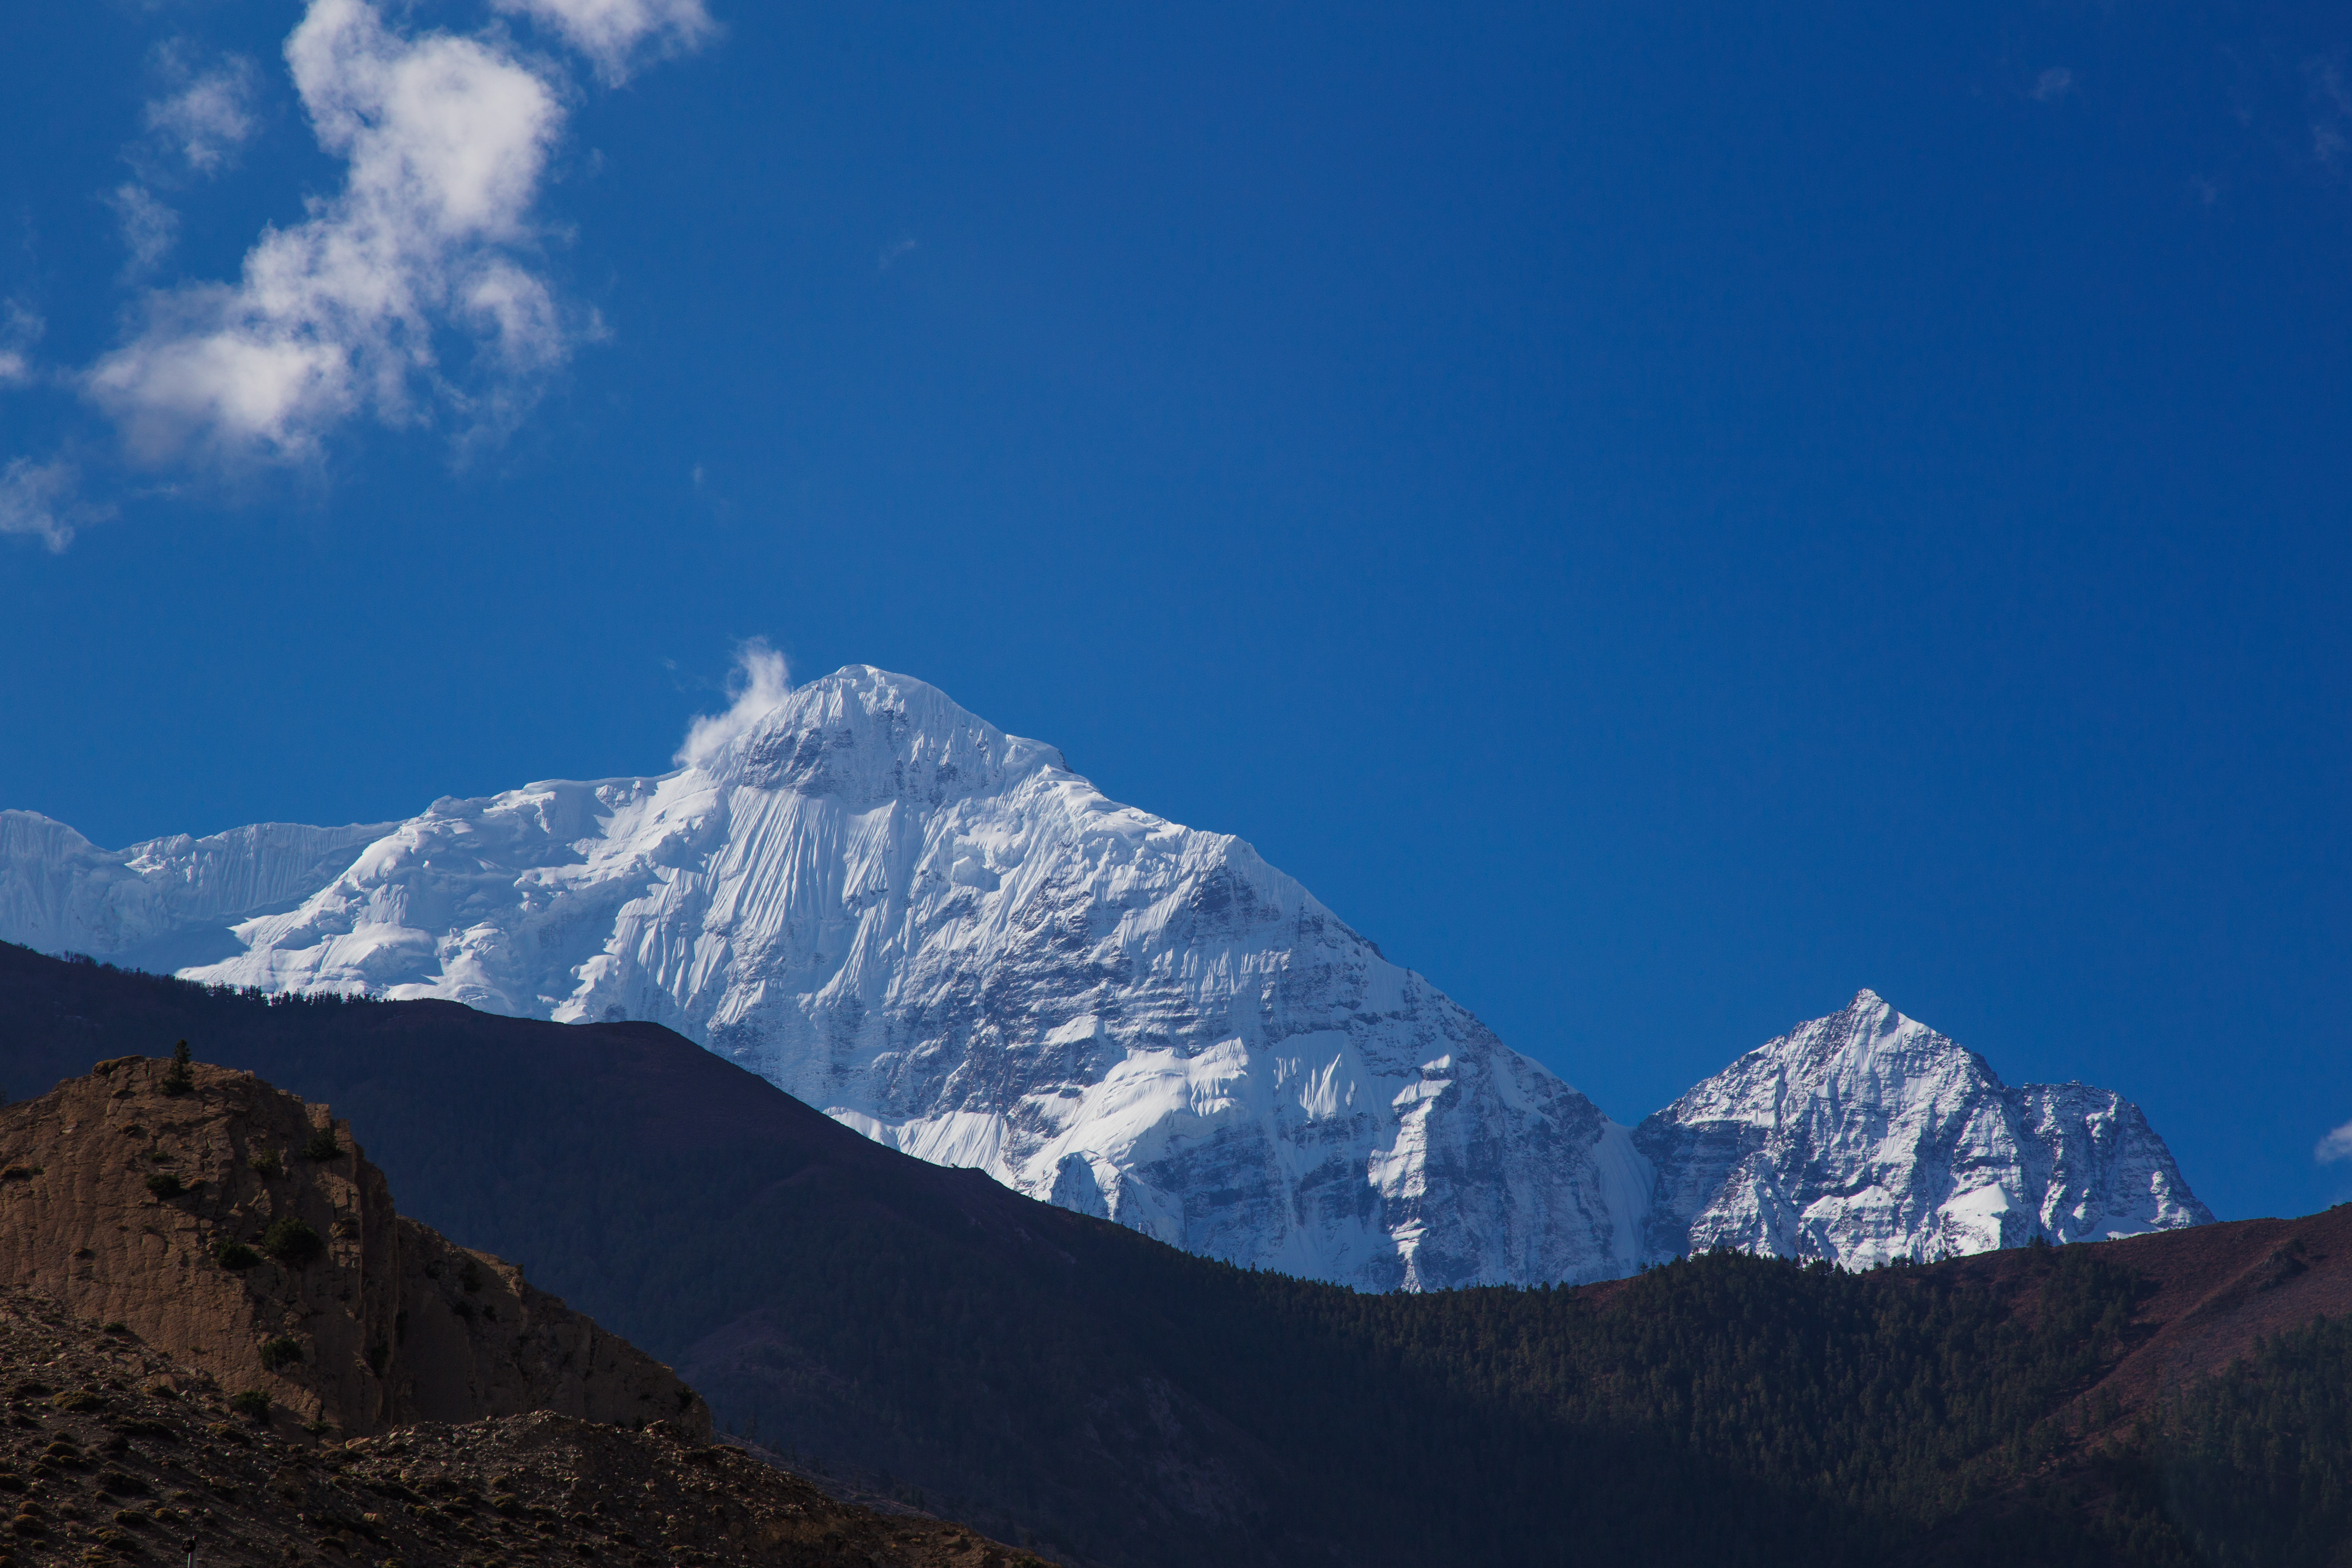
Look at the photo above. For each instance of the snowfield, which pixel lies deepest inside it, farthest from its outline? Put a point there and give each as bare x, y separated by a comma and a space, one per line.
948, 941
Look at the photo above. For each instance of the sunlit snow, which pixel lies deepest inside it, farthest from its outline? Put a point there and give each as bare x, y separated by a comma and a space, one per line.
944, 938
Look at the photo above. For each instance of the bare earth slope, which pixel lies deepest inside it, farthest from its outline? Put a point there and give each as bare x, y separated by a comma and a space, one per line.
2212, 1292
854, 1302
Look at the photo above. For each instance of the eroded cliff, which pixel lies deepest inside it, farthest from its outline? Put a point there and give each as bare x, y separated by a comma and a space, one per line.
244, 1232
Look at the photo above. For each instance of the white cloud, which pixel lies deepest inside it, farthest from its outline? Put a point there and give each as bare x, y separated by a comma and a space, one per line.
610, 32
2336, 1145
18, 335
446, 139
40, 499
210, 115
759, 686
149, 228
2052, 84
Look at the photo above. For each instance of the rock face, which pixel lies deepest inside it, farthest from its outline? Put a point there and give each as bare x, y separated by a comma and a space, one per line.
242, 1232
1865, 1137
941, 936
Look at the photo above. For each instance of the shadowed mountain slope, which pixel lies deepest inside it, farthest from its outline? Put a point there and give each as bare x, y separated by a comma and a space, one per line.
1033, 1369
927, 1324
240, 1230
114, 1451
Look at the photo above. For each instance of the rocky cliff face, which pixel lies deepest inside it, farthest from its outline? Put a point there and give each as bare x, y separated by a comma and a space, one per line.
1864, 1137
240, 1231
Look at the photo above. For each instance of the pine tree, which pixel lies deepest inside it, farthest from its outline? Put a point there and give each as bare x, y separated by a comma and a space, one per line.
180, 1080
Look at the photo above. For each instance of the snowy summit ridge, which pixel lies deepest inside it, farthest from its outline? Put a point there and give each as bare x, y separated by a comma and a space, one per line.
942, 936
1864, 1137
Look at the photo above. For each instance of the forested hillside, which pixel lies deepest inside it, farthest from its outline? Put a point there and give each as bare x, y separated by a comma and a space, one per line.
1069, 1384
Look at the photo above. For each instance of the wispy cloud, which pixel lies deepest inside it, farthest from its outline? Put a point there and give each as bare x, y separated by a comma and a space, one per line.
207, 113
2052, 84
618, 35
759, 686
42, 500
444, 139
20, 329
2336, 1145
415, 292
150, 229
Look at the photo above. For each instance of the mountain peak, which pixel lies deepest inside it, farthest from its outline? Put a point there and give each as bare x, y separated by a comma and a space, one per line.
934, 931
1868, 1040
870, 735
1866, 1136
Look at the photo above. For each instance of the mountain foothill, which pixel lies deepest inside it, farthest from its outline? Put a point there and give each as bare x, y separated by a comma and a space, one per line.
902, 1362
221, 1342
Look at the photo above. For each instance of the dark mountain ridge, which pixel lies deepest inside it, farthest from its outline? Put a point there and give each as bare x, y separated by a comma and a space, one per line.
1059, 1380
219, 1338
238, 1229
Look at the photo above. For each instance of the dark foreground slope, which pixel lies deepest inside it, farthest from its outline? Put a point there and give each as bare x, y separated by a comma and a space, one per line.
1033, 1370
936, 1330
230, 1224
113, 1451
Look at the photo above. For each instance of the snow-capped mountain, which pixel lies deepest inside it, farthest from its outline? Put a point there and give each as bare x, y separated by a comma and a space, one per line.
166, 903
942, 936
1863, 1137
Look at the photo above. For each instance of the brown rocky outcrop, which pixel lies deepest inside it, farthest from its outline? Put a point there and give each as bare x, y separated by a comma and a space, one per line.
241, 1231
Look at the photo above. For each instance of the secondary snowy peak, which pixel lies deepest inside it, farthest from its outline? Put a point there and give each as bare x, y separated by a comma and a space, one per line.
1867, 1136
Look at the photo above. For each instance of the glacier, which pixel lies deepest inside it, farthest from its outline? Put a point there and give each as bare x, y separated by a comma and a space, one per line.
946, 938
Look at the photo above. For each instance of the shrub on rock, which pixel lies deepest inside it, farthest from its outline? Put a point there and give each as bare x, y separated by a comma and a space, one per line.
289, 1240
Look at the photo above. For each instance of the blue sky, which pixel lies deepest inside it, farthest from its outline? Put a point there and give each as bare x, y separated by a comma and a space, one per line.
1660, 519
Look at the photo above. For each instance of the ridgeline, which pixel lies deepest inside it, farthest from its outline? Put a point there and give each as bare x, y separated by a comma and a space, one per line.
1075, 1387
